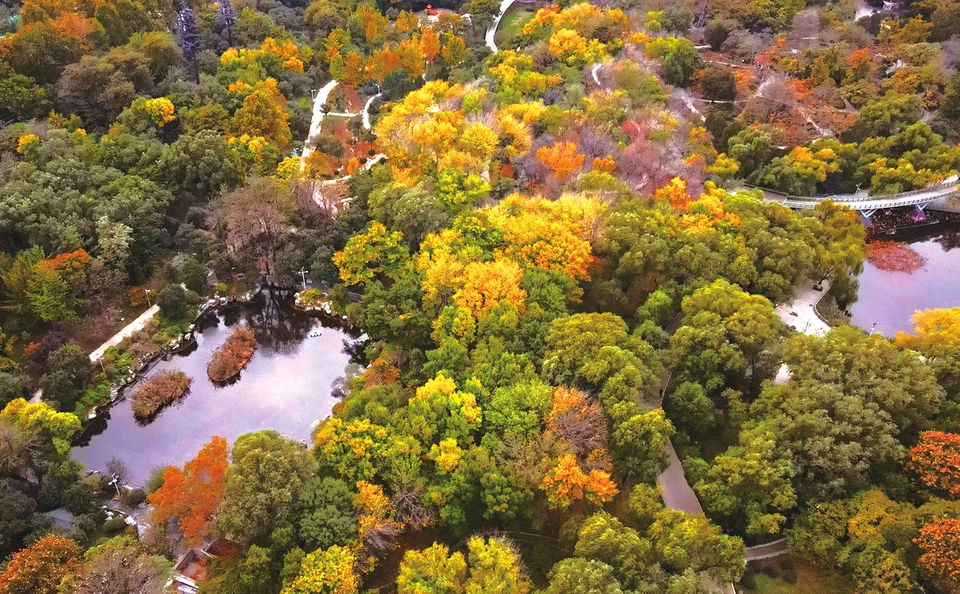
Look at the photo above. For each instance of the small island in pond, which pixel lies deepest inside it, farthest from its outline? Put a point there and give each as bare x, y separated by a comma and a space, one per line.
232, 355
164, 388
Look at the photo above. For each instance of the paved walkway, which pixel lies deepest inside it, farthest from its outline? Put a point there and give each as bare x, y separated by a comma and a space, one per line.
492, 29
128, 330
801, 314
677, 492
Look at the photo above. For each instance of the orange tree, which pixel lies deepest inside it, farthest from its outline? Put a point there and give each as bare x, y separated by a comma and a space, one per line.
937, 460
39, 569
192, 495
940, 542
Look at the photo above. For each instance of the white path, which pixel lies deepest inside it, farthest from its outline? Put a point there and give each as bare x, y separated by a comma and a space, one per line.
594, 71
366, 111
128, 330
492, 29
317, 120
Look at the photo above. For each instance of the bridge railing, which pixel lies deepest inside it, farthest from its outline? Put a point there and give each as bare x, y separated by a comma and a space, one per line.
946, 186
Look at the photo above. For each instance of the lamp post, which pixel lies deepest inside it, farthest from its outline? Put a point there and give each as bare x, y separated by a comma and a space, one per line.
303, 277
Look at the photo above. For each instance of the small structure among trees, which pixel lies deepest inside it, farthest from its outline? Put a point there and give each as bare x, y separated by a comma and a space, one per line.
232, 355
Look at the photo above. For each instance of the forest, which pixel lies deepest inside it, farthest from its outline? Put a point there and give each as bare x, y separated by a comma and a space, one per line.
551, 223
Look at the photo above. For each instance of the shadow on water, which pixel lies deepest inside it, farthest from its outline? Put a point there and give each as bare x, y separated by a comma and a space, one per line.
288, 385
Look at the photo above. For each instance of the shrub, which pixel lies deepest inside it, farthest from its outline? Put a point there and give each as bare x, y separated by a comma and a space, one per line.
135, 497
312, 296
749, 580
232, 355
771, 570
222, 289
159, 391
156, 479
790, 576
114, 525
787, 564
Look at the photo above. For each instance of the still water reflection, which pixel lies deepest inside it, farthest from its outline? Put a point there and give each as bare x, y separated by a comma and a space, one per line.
889, 299
285, 386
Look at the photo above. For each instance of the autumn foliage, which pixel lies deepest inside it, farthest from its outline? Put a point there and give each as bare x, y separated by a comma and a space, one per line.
232, 355
940, 543
562, 158
158, 391
192, 495
39, 569
937, 460
567, 485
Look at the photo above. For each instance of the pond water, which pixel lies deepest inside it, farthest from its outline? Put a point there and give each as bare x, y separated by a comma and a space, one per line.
286, 385
890, 299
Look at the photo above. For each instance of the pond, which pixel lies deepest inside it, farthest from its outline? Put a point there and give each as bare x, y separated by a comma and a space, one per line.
889, 299
287, 385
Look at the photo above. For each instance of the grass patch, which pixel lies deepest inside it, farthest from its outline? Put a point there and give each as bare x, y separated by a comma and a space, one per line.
807, 578
512, 24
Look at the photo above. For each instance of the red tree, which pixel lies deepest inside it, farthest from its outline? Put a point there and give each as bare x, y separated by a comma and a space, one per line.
193, 494
937, 460
940, 542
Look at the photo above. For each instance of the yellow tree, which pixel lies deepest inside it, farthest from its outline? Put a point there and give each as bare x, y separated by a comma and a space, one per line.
263, 114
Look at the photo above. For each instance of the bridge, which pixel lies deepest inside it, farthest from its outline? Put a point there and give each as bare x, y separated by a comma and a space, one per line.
866, 204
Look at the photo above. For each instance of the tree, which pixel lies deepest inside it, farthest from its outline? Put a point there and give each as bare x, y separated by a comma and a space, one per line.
263, 114
562, 158
326, 513
200, 165
495, 566
576, 575
39, 569
937, 337
849, 399
43, 421
194, 275
940, 543
937, 460
680, 58
566, 485
682, 541
639, 445
604, 538
192, 495
748, 486
21, 97
725, 334
121, 565
717, 83
70, 371
173, 302
262, 484
374, 252
432, 570
189, 38
256, 216
885, 117
329, 571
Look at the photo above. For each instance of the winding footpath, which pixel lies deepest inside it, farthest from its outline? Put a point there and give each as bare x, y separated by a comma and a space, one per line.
492, 29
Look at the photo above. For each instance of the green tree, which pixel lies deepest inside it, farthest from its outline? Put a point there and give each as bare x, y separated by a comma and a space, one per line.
748, 487
849, 400
266, 476
726, 333
173, 302
70, 371
194, 276
575, 575
200, 165
639, 445
326, 513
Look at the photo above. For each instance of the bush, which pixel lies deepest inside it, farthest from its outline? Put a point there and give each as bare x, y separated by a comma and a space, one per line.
771, 570
232, 355
173, 302
158, 391
114, 525
749, 579
155, 481
222, 289
788, 564
135, 497
790, 576
191, 297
